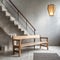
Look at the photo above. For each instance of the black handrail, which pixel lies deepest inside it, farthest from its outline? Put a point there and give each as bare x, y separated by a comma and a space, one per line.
22, 14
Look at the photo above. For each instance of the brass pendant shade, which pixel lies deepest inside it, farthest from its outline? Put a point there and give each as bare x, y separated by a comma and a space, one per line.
51, 9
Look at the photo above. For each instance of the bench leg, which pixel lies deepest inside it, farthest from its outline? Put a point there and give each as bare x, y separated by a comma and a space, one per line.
34, 45
13, 46
40, 46
13, 50
47, 44
20, 48
19, 51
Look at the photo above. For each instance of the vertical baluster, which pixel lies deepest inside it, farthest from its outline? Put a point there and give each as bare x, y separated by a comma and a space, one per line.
26, 25
34, 39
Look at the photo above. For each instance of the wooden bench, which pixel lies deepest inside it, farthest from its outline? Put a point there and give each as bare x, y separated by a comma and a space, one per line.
20, 45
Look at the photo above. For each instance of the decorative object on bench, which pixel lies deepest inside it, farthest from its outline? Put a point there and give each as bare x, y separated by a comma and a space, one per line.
21, 45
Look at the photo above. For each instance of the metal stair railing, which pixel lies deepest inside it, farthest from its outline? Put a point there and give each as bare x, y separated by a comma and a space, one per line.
28, 25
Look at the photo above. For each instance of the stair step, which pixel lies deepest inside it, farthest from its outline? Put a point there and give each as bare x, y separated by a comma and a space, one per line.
8, 17
16, 26
3, 8
12, 18
19, 29
15, 22
22, 32
12, 22
2, 13
7, 13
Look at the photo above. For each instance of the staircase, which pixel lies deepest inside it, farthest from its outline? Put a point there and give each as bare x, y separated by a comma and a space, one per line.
10, 25
8, 22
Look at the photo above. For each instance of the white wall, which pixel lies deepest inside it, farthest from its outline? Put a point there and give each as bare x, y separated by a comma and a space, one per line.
36, 12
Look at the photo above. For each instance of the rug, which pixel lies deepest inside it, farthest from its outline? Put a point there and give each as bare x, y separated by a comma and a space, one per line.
46, 56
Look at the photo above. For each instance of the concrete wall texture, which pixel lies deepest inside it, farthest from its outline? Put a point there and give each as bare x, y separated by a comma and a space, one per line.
36, 12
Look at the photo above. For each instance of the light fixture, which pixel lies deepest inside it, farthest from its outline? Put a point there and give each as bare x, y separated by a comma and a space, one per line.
51, 9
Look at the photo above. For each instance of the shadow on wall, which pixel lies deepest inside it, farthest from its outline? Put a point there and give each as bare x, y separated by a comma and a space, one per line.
4, 38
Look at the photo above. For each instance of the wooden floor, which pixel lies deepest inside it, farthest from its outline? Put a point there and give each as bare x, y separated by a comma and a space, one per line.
27, 54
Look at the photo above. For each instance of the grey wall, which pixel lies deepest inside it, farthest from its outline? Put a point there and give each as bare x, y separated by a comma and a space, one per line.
0, 0
36, 12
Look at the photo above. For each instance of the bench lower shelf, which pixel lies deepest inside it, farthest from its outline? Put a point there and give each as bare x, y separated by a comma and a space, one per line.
30, 44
